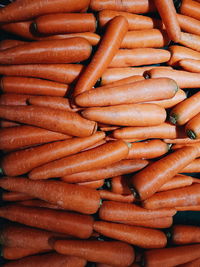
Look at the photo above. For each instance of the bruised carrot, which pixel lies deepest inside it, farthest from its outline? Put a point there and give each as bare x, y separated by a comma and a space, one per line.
191, 65
15, 196
65, 23
121, 167
190, 40
177, 181
118, 211
14, 99
66, 222
189, 24
32, 86
68, 196
70, 50
5, 124
194, 263
13, 11
93, 184
110, 252
171, 256
107, 48
185, 234
135, 235
8, 43
23, 161
109, 195
63, 73
21, 136
185, 110
190, 8
194, 166
66, 122
192, 127
97, 157
127, 114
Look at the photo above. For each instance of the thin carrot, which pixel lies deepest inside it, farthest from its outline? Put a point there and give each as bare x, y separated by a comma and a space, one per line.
109, 195
66, 222
14, 99
107, 48
5, 124
189, 208
110, 252
190, 40
181, 141
93, 184
191, 65
14, 196
13, 11
23, 161
177, 146
70, 50
177, 181
8, 43
185, 234
190, 8
192, 127
194, 166
66, 122
135, 235
68, 196
189, 24
194, 263
39, 203
127, 80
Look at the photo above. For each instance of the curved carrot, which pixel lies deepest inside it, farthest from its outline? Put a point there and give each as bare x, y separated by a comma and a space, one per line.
14, 99
107, 48
93, 184
194, 263
66, 122
194, 166
189, 24
192, 127
190, 40
135, 235
109, 195
185, 234
97, 157
190, 8
8, 43
191, 65
14, 196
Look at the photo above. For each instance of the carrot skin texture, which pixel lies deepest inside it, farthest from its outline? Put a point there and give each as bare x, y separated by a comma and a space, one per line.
110, 252
98, 157
70, 50
77, 225
14, 99
8, 43
49, 118
107, 48
192, 127
15, 196
190, 8
185, 234
190, 40
109, 195
68, 196
135, 235
177, 181
194, 166
191, 65
189, 24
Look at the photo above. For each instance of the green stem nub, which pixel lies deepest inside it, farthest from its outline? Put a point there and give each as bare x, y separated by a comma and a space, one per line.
1, 172
173, 118
191, 134
135, 193
146, 75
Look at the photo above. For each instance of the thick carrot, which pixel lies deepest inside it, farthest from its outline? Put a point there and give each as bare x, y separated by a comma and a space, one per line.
138, 57
171, 256
194, 166
121, 167
66, 122
49, 259
190, 8
185, 234
70, 50
107, 48
14, 99
63, 73
66, 222
118, 211
109, 195
14, 196
190, 40
23, 161
5, 124
111, 252
149, 180
192, 127
194, 263
93, 184
21, 136
189, 24
185, 110
13, 11
177, 181
8, 43
127, 115
135, 235
191, 65
167, 12
65, 23
69, 196
186, 196
32, 86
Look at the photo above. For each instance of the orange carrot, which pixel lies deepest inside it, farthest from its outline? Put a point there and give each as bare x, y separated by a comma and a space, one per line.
39, 203
8, 43
110, 252
23, 161
109, 195
135, 235
194, 263
192, 127
99, 143
66, 122
190, 8
177, 181
93, 184
5, 124
14, 99
97, 157
66, 222
15, 196
191, 65
107, 48
189, 208
194, 166
177, 146
68, 196
181, 141
189, 24
127, 80
127, 115
185, 234
190, 40
120, 185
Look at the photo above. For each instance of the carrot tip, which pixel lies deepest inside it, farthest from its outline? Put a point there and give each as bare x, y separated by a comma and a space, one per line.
173, 118
191, 134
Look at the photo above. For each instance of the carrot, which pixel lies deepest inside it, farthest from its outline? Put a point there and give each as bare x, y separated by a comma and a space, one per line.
8, 43
68, 196
177, 146
135, 235
190, 8
127, 80
136, 92
177, 181
99, 143
14, 99
13, 11
63, 73
181, 141
93, 184
138, 57
109, 252
66, 122
39, 203
20, 162
185, 234
5, 124
189, 208
70, 50
108, 195
118, 211
32, 86
66, 222
194, 263
106, 127
49, 259
185, 110
65, 23
192, 127
194, 166
14, 196
189, 24
107, 48
190, 40
186, 196
149, 180
127, 115
152, 38
119, 185
124, 166
168, 15
191, 65
21, 136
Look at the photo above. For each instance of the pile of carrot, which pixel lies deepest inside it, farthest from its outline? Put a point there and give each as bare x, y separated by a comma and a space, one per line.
100, 132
